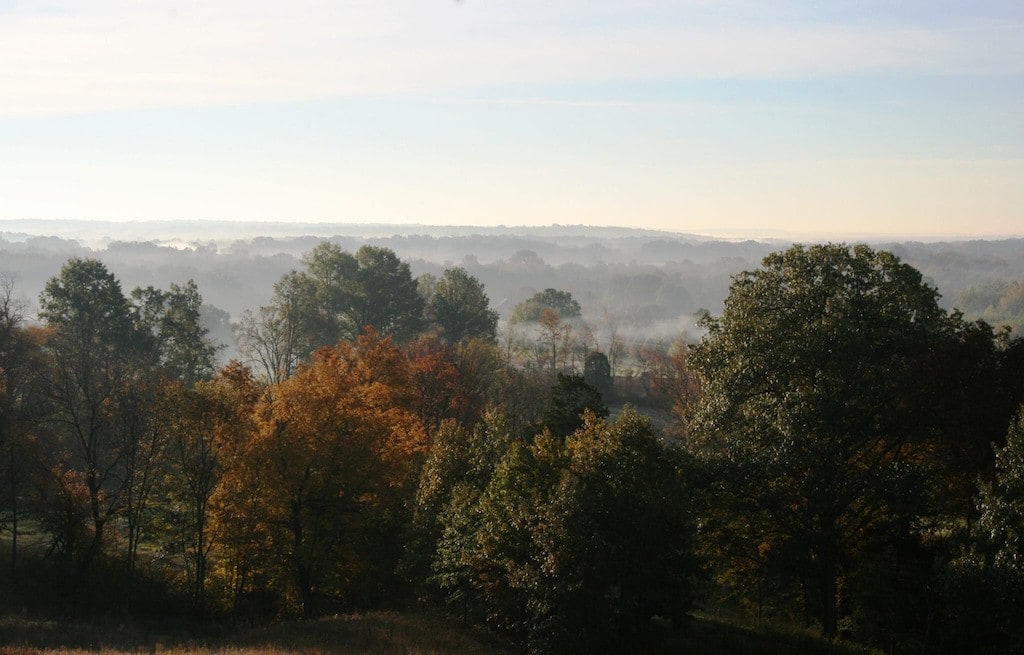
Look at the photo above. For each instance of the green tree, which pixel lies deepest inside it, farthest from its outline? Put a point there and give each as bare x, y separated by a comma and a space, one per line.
571, 545
459, 463
96, 352
461, 309
335, 298
813, 407
984, 587
975, 378
619, 537
531, 308
182, 341
387, 297
1002, 505
180, 350
570, 397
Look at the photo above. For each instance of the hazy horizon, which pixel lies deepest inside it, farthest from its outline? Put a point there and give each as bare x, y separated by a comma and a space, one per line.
94, 232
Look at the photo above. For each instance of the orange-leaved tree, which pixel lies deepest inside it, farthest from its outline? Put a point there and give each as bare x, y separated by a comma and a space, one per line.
439, 389
335, 454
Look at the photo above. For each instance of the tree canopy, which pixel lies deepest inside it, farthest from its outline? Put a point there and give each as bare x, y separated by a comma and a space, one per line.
560, 301
460, 307
812, 404
335, 298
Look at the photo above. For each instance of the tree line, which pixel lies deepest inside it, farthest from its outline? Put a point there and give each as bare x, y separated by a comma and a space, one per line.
841, 452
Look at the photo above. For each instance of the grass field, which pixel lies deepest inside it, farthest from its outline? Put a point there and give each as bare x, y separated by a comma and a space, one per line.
373, 633
376, 633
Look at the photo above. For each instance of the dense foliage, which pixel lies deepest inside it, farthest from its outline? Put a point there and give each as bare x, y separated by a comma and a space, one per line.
825, 422
532, 308
573, 544
823, 455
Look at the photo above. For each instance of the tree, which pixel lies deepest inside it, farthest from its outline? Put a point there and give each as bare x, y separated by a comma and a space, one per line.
619, 537
1002, 505
459, 463
180, 351
97, 352
597, 372
975, 377
22, 366
461, 308
388, 299
570, 398
202, 425
668, 379
268, 341
560, 301
174, 319
555, 338
438, 388
571, 545
812, 414
335, 298
985, 585
334, 454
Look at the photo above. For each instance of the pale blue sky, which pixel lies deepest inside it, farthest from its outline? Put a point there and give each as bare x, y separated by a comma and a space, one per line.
817, 118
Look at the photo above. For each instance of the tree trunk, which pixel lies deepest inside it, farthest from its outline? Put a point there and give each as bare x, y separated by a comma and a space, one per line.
98, 521
14, 511
829, 604
303, 572
199, 602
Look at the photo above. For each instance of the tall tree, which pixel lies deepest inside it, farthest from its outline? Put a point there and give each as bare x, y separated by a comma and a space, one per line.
181, 352
202, 424
268, 341
21, 406
335, 452
182, 341
349, 292
335, 298
97, 352
812, 404
461, 309
388, 299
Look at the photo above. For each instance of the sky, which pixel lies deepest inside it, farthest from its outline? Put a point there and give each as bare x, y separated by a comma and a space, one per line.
858, 117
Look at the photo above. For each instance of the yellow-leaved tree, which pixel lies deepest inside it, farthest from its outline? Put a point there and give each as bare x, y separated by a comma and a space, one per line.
333, 462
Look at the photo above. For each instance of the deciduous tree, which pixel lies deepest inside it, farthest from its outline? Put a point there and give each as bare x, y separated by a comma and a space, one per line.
336, 449
561, 301
461, 308
96, 353
812, 406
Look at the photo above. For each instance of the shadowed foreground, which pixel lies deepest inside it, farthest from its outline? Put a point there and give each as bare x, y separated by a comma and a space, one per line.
377, 633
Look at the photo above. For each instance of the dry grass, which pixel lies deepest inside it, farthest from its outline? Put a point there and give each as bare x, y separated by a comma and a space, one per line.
380, 633
377, 633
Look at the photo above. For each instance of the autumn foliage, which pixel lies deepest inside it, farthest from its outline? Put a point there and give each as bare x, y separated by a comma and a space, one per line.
821, 452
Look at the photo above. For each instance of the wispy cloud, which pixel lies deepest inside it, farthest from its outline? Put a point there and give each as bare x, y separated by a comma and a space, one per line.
109, 55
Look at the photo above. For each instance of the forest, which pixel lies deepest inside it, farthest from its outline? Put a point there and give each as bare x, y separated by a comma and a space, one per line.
825, 443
